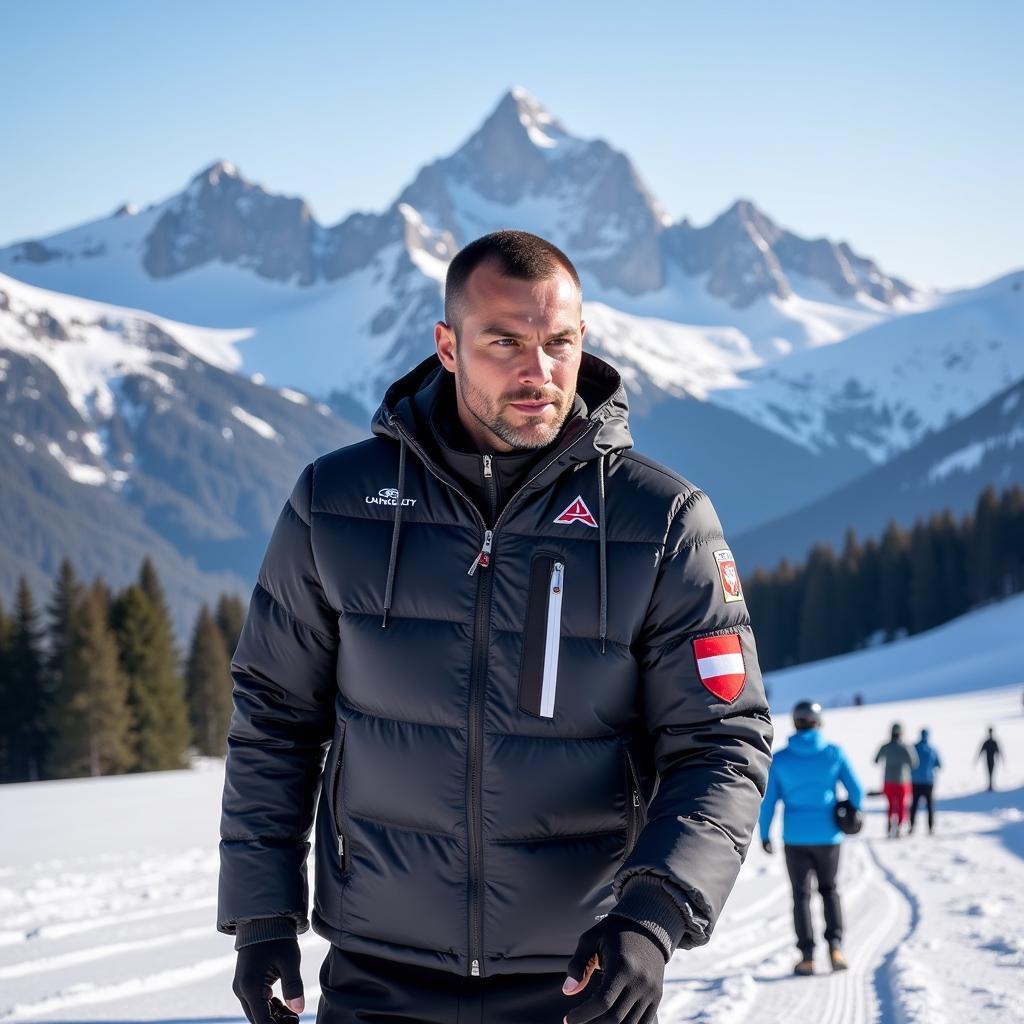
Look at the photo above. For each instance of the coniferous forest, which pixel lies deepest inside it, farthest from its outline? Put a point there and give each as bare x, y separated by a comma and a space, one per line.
95, 683
880, 590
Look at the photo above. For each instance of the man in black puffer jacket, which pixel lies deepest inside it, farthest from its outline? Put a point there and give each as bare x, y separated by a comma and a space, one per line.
525, 652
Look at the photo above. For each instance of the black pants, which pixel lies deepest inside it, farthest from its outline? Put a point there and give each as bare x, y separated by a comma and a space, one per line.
822, 862
922, 791
356, 988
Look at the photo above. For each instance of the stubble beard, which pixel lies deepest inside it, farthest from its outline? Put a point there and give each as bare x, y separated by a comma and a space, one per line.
526, 436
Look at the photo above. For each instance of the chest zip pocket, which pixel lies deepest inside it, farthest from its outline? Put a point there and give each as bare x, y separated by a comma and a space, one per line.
336, 809
538, 669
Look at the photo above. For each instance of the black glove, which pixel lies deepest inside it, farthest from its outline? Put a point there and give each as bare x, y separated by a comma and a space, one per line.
257, 968
632, 972
767, 844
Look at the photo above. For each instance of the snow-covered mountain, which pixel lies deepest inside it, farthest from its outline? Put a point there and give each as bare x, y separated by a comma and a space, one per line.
123, 434
769, 368
884, 388
947, 469
350, 306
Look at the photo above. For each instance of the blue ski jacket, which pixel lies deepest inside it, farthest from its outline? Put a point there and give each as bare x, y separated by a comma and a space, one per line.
927, 760
803, 776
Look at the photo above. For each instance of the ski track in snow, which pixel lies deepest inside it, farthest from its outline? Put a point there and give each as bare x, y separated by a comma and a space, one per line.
112, 931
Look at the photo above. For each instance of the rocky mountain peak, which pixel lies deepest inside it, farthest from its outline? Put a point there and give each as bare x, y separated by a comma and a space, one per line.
522, 117
217, 173
221, 216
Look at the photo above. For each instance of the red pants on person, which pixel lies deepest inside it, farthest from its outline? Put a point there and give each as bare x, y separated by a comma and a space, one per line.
898, 795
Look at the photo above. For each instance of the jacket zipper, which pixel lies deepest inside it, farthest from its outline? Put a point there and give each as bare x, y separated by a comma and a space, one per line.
335, 781
483, 557
552, 635
480, 642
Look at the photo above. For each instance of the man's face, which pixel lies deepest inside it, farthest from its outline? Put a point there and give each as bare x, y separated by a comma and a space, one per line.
516, 359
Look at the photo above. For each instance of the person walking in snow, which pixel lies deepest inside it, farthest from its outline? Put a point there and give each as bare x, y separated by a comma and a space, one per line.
898, 761
479, 641
992, 751
803, 777
922, 780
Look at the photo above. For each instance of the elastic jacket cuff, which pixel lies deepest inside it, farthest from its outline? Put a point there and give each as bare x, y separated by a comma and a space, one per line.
262, 929
645, 901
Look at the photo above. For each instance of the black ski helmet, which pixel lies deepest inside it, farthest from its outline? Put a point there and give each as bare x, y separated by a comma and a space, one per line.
848, 818
807, 715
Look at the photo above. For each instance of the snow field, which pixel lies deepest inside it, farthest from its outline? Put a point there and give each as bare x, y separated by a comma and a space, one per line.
108, 890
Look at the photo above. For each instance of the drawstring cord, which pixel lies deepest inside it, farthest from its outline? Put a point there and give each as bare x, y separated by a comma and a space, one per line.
393, 561
601, 545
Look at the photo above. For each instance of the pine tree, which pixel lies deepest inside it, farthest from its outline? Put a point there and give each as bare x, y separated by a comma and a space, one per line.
149, 581
1010, 539
102, 594
870, 589
67, 593
230, 615
156, 691
818, 630
951, 555
789, 580
983, 551
924, 579
849, 601
23, 709
208, 679
894, 579
94, 723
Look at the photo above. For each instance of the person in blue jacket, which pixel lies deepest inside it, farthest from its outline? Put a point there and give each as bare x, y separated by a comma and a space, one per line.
922, 780
803, 776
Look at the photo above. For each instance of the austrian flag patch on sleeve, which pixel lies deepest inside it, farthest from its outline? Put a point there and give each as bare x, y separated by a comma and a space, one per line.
720, 665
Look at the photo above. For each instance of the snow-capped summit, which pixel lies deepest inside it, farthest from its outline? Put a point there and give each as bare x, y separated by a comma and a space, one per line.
746, 256
222, 217
522, 168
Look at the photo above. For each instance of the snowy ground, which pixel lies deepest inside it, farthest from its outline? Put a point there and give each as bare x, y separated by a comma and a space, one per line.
108, 887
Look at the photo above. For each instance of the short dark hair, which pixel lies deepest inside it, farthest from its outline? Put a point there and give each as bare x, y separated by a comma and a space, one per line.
518, 254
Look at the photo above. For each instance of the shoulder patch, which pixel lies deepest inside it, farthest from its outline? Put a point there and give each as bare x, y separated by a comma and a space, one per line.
729, 574
720, 665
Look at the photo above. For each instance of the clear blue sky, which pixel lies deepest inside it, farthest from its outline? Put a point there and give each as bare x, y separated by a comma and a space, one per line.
895, 126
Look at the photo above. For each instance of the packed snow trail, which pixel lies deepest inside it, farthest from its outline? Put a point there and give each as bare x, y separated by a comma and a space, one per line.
108, 899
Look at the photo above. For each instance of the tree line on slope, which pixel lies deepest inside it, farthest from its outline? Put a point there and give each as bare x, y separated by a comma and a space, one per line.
96, 685
876, 591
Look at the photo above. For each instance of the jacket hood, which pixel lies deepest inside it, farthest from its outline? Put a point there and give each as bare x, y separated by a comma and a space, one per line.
807, 742
407, 401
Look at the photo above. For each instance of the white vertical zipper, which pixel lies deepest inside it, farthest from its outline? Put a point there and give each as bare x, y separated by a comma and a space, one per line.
552, 635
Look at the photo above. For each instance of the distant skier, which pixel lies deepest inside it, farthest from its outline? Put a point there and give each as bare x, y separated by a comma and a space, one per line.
991, 749
899, 761
804, 776
922, 780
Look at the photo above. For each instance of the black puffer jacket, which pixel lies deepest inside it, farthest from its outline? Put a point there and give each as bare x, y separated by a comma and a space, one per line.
520, 721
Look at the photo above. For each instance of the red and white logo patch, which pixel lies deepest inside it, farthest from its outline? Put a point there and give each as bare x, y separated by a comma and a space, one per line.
577, 512
731, 588
720, 665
